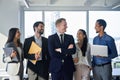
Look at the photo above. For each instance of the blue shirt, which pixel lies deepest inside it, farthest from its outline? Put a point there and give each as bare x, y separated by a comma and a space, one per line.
112, 51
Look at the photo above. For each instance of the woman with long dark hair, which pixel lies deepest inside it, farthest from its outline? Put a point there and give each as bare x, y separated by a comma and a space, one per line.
82, 57
15, 59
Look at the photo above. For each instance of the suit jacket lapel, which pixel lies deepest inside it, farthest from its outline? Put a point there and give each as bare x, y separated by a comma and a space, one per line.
43, 44
33, 39
57, 38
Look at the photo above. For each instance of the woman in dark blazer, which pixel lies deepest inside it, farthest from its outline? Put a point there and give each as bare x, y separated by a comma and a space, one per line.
15, 59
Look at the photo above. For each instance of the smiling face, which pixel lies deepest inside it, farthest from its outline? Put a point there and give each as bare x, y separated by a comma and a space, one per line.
62, 26
40, 28
98, 27
17, 35
80, 35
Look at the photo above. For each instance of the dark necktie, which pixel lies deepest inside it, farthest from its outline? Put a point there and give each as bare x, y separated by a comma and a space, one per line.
61, 37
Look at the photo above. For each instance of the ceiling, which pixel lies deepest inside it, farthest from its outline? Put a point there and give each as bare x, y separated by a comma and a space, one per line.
84, 3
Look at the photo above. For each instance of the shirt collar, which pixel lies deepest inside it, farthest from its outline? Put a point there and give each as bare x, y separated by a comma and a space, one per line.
102, 35
37, 38
58, 33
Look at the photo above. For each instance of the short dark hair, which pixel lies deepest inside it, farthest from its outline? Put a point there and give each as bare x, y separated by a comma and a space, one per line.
37, 23
59, 20
102, 22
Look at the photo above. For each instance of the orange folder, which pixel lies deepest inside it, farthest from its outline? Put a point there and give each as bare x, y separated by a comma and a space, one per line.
34, 48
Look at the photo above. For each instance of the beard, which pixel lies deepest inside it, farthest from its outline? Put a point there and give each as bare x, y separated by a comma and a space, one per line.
41, 32
97, 31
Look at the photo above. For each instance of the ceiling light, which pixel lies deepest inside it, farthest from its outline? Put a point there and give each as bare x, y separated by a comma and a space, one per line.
116, 6
26, 2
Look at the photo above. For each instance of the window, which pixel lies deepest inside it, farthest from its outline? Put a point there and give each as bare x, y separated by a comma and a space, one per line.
112, 18
75, 20
30, 18
73, 23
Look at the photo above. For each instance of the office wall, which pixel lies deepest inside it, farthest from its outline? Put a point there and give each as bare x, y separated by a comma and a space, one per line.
9, 17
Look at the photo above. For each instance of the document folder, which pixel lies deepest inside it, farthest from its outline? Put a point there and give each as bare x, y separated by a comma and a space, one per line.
8, 52
34, 48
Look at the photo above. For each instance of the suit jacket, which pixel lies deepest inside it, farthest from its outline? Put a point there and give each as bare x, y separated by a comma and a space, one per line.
57, 58
10, 61
41, 67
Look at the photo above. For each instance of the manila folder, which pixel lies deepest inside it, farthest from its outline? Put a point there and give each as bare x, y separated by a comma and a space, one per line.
34, 48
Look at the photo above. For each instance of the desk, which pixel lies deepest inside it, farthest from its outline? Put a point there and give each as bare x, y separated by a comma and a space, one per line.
116, 72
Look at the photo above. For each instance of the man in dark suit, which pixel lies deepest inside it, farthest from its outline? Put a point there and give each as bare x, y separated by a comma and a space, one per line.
38, 71
61, 46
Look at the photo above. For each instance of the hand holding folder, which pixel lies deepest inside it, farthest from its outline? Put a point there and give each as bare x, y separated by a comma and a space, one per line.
34, 48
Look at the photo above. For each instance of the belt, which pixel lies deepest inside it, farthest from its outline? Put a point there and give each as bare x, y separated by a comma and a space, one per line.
102, 64
13, 62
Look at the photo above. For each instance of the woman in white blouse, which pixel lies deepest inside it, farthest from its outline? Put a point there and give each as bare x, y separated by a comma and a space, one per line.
15, 60
82, 57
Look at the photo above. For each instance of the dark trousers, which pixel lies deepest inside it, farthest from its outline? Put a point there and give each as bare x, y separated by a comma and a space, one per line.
62, 75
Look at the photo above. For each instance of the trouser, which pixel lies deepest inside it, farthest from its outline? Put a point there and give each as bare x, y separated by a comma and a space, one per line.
82, 72
103, 72
62, 75
33, 76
